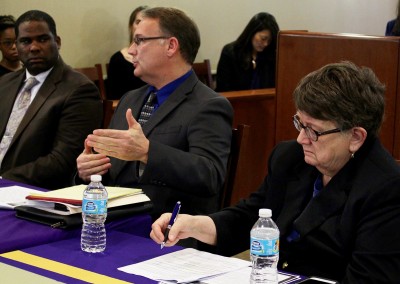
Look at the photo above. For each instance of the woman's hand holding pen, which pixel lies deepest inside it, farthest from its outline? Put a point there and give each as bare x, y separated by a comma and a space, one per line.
201, 228
176, 232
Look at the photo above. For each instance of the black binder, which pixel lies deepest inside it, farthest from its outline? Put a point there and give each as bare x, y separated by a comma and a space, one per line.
74, 220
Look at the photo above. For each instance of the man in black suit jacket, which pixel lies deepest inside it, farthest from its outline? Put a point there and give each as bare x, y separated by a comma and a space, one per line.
334, 193
65, 107
181, 152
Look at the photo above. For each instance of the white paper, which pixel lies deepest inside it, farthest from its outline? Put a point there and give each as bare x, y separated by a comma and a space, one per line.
241, 276
11, 196
185, 266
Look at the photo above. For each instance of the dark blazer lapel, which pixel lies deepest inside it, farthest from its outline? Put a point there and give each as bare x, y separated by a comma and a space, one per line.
172, 102
297, 195
47, 88
12, 90
326, 204
134, 101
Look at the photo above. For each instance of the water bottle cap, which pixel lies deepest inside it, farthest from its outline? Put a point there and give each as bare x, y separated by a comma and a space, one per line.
95, 178
264, 212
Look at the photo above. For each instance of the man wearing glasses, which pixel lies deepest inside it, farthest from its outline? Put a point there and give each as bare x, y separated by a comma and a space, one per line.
10, 61
172, 136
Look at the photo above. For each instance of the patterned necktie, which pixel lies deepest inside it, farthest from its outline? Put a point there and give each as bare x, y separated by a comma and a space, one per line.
18, 112
147, 109
25, 98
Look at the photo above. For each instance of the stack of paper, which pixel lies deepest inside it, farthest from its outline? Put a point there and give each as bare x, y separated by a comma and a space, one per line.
189, 265
68, 200
12, 196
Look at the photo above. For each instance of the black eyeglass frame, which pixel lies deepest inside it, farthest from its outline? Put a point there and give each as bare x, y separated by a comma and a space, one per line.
311, 132
8, 43
139, 40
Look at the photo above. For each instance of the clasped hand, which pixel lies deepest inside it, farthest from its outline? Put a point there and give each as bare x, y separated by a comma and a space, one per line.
128, 145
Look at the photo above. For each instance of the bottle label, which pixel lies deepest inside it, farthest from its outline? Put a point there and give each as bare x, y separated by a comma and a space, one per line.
94, 206
264, 247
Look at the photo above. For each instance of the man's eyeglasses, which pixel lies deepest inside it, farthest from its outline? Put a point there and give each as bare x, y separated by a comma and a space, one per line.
311, 133
7, 43
138, 40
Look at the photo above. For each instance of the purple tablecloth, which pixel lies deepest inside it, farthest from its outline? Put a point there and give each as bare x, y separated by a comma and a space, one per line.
122, 249
18, 234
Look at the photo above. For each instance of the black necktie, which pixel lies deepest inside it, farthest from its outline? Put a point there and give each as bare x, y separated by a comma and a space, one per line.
147, 109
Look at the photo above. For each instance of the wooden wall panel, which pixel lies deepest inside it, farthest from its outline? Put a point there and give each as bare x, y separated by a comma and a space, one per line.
302, 52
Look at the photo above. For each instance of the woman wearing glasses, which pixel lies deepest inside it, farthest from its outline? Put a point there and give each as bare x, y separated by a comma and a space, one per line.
334, 193
10, 61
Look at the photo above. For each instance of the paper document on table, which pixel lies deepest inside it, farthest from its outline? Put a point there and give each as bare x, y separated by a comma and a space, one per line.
11, 196
185, 266
73, 194
242, 275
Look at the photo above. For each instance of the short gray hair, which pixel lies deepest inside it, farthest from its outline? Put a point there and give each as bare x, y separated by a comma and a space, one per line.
343, 93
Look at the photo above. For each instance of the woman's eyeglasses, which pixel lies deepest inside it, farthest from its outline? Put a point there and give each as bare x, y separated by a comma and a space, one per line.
311, 133
7, 43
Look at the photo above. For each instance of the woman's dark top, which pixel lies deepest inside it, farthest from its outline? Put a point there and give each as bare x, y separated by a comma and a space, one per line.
389, 28
232, 76
4, 70
120, 77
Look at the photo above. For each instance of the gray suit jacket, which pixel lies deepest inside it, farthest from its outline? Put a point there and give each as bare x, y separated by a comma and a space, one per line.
190, 136
50, 137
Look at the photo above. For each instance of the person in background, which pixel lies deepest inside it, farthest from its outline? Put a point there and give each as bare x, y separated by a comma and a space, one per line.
393, 26
42, 130
334, 193
10, 61
120, 75
249, 62
160, 137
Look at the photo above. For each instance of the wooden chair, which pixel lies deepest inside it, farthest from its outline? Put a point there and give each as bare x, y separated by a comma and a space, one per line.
95, 74
239, 141
108, 111
203, 72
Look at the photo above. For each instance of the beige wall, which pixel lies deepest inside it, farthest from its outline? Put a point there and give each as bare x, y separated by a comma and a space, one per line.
92, 30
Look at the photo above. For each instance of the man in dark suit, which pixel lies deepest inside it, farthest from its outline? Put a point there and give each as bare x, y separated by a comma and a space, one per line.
63, 108
181, 152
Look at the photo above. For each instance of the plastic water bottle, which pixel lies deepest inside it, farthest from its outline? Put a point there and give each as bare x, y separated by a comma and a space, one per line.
94, 213
264, 249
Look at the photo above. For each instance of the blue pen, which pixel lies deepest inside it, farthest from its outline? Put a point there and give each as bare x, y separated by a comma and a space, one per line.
175, 213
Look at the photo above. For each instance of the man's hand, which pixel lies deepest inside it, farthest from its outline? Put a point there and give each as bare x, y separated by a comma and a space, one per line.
128, 145
91, 164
